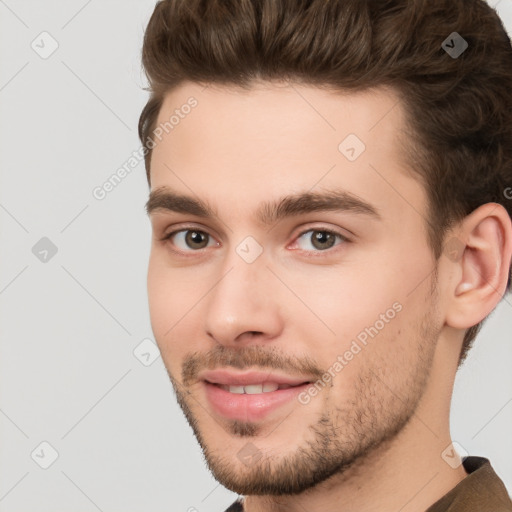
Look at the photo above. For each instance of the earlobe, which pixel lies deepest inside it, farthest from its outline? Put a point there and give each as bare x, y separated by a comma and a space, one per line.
482, 270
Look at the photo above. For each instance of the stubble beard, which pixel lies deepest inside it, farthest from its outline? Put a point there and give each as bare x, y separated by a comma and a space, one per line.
334, 446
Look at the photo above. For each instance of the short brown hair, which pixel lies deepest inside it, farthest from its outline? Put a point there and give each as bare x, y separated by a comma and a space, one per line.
459, 108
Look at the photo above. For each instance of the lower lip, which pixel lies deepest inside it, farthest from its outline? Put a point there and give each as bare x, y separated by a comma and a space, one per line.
246, 407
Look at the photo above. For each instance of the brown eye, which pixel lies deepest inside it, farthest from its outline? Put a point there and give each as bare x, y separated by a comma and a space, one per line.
322, 239
187, 239
196, 239
317, 240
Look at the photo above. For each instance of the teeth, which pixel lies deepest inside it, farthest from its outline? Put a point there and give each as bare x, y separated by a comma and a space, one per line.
239, 390
254, 389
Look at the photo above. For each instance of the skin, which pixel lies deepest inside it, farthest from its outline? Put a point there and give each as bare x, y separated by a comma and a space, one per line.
373, 438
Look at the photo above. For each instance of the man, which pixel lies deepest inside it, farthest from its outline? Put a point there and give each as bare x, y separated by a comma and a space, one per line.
331, 212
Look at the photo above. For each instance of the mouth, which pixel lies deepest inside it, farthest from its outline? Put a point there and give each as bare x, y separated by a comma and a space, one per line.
253, 402
256, 389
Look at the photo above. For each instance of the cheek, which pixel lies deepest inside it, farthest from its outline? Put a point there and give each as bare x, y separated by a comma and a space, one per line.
170, 299
362, 310
374, 357
171, 290
347, 299
160, 301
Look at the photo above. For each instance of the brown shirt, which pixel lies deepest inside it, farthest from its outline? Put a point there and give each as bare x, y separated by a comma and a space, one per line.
481, 491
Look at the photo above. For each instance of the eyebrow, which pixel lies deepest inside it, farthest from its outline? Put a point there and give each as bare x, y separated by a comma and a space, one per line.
164, 199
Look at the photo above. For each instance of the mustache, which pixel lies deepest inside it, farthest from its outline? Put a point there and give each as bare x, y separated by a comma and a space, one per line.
246, 357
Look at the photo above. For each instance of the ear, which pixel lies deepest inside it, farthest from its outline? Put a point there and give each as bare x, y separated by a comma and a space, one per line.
479, 258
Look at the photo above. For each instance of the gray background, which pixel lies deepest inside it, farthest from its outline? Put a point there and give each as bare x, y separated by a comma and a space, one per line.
70, 323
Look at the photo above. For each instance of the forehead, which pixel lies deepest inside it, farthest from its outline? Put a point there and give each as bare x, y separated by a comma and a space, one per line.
243, 146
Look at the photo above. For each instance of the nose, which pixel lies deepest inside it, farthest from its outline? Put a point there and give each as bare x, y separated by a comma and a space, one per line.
243, 305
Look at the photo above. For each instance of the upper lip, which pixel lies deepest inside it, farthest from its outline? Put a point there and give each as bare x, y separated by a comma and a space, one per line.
228, 378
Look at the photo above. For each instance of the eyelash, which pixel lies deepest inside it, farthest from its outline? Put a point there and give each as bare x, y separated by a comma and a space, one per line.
343, 239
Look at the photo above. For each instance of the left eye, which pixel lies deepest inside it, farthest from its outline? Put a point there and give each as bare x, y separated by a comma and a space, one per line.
319, 239
191, 239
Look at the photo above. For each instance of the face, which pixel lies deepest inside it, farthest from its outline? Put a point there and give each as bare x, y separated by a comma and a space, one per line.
300, 252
